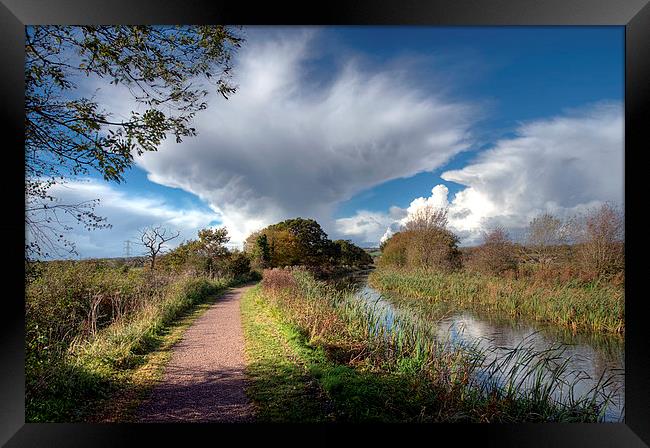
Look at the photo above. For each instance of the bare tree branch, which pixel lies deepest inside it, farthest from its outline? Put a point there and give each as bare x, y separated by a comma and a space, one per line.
153, 239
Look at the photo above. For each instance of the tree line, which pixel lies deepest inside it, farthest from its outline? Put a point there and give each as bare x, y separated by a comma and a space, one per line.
293, 242
590, 246
301, 241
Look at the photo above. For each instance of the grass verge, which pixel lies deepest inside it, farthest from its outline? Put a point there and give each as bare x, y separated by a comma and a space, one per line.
292, 380
102, 378
278, 362
369, 369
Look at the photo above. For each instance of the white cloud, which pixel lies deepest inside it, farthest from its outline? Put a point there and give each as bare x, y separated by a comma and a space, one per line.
286, 146
563, 165
367, 226
438, 199
127, 214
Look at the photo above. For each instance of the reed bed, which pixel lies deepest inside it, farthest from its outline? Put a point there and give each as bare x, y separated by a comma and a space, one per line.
594, 307
465, 385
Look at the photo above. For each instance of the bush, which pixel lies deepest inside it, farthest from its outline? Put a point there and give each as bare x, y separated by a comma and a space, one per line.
432, 248
69, 300
497, 255
602, 249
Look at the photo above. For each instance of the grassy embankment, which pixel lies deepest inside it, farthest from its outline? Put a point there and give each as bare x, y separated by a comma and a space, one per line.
294, 379
98, 336
323, 352
595, 306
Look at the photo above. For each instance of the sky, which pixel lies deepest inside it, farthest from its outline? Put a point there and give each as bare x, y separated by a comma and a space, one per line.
357, 127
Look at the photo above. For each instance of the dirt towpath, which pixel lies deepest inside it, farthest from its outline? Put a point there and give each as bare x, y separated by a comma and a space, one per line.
204, 380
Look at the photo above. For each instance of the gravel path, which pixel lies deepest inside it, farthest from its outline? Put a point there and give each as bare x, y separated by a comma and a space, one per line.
204, 380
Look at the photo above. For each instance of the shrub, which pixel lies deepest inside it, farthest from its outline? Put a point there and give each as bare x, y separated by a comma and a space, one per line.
433, 248
602, 250
235, 265
496, 255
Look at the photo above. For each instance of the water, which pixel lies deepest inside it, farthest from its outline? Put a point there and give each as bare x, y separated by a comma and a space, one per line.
589, 356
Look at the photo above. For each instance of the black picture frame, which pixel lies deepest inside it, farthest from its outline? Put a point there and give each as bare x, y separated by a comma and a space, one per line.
633, 14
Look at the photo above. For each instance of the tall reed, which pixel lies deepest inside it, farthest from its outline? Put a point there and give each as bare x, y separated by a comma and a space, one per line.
594, 307
403, 342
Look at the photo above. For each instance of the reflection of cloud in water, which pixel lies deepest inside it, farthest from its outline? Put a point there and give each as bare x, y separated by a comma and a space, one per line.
588, 358
585, 364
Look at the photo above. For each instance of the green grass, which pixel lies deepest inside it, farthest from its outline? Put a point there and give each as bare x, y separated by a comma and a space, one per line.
278, 361
594, 307
326, 347
136, 384
102, 377
295, 381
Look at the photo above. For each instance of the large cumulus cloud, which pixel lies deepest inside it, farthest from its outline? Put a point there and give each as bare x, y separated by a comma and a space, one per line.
563, 165
285, 145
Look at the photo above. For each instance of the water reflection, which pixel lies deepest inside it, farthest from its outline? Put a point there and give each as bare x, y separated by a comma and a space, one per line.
589, 356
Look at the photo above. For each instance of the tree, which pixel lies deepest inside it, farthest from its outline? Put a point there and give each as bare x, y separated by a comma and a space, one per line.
200, 255
212, 245
348, 253
213, 241
393, 250
496, 255
601, 247
435, 248
153, 239
545, 233
313, 245
430, 243
296, 241
235, 264
264, 249
186, 256
257, 246
427, 217
166, 69
300, 241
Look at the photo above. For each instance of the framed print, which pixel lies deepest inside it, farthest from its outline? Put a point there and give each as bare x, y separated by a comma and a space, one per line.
250, 220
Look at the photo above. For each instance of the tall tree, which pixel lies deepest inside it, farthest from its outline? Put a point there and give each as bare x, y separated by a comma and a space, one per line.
167, 71
263, 250
303, 238
213, 241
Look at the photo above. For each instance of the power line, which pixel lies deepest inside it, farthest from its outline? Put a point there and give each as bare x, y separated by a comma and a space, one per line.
127, 248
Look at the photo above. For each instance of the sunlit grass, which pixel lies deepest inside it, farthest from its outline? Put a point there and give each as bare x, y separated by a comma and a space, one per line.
595, 307
116, 361
445, 383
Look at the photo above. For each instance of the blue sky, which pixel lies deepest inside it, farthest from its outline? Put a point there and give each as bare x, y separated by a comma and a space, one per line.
355, 126
525, 73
